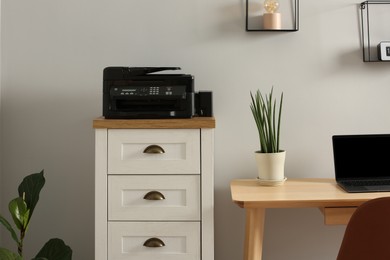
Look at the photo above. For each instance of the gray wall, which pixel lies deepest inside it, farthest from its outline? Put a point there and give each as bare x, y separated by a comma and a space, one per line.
53, 54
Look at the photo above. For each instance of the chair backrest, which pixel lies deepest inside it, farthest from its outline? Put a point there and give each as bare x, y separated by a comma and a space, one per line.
367, 236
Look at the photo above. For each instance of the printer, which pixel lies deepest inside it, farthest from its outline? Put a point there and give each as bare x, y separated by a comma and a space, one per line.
141, 93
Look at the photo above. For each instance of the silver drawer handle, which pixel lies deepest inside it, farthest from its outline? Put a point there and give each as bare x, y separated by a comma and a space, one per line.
154, 149
154, 195
154, 242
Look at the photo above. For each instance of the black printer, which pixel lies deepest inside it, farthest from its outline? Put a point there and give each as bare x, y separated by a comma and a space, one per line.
136, 92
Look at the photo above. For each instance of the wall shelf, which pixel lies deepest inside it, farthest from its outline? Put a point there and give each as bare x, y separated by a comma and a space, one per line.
374, 27
254, 13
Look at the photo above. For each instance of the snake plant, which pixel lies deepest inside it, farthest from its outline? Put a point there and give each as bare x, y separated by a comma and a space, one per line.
267, 118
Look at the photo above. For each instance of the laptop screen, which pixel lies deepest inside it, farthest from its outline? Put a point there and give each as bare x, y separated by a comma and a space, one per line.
361, 156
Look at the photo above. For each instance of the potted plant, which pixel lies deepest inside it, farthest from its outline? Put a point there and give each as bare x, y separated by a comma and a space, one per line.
270, 158
21, 209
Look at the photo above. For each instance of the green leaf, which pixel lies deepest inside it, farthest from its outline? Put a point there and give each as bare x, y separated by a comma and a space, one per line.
19, 212
267, 118
5, 254
9, 228
30, 188
56, 249
279, 119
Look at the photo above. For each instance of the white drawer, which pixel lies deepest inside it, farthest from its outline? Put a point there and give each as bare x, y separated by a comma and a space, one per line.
127, 155
126, 240
128, 199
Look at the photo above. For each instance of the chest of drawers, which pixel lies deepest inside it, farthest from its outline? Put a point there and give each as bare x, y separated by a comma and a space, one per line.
154, 189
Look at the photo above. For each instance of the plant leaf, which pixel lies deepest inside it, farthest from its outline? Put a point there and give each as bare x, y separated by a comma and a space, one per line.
279, 119
56, 249
264, 110
8, 226
30, 189
257, 107
5, 254
19, 212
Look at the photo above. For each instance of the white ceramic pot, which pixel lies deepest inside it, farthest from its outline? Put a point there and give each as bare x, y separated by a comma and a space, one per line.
270, 166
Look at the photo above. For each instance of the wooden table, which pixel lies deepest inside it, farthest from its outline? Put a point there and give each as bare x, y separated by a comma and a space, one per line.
336, 204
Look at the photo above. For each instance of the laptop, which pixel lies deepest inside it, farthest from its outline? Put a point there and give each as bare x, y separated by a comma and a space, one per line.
362, 162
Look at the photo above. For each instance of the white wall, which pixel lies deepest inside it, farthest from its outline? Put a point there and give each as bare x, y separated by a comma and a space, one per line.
53, 56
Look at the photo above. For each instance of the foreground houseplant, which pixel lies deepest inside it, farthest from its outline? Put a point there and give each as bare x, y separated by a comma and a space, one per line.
270, 159
21, 209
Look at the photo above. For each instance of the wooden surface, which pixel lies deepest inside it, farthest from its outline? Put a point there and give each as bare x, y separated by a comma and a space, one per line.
338, 215
297, 193
195, 122
254, 230
336, 204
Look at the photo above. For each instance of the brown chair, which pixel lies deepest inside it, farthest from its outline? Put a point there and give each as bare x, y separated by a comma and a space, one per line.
367, 236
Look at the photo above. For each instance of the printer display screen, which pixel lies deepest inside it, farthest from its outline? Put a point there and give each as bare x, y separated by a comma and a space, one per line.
148, 90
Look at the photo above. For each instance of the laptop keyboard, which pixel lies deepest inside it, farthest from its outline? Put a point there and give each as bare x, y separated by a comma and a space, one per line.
367, 182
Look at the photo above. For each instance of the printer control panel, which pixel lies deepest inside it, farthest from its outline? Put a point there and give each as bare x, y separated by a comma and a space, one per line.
148, 91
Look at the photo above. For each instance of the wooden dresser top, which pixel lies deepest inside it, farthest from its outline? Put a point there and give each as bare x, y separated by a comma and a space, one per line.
195, 122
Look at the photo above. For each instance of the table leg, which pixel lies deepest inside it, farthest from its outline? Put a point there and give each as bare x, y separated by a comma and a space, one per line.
254, 230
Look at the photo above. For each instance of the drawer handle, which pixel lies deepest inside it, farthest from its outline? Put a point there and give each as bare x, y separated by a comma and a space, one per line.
154, 195
154, 242
154, 149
